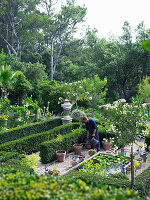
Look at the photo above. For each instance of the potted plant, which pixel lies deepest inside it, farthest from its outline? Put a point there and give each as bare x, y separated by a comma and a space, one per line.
92, 152
61, 154
107, 143
78, 148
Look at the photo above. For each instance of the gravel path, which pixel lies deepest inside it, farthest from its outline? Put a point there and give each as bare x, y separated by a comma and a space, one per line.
67, 164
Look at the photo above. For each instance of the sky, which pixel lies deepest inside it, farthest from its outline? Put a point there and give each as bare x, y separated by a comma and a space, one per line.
108, 16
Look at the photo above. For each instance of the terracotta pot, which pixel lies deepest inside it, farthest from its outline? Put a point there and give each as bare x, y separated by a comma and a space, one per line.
88, 145
78, 148
61, 154
107, 145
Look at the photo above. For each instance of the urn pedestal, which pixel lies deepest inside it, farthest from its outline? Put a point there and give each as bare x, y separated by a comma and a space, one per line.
66, 108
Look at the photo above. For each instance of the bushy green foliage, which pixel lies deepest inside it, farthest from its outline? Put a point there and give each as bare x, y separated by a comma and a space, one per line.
50, 91
25, 130
144, 89
20, 88
13, 160
96, 179
31, 160
142, 182
19, 185
147, 139
31, 143
48, 149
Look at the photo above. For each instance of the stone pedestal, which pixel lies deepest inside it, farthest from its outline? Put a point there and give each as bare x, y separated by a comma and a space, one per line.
66, 108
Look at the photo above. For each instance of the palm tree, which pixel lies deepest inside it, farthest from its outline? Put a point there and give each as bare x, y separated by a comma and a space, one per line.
6, 78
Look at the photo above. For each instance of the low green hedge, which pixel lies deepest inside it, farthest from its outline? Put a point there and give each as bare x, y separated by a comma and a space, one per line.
13, 160
147, 139
26, 130
30, 144
116, 180
48, 149
14, 185
142, 182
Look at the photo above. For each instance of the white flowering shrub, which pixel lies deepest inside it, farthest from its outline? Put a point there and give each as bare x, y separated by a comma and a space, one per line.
128, 120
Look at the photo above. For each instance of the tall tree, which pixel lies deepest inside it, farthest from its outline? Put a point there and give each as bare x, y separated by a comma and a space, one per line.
12, 15
60, 27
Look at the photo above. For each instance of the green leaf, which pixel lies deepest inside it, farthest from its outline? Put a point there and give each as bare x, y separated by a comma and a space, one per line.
146, 45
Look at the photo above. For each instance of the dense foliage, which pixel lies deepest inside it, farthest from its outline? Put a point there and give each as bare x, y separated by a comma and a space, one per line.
19, 185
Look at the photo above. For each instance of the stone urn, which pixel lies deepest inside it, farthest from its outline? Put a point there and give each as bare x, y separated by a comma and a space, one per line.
61, 154
66, 108
78, 148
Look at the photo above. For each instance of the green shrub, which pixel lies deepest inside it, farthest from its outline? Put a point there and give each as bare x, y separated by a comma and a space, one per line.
26, 130
48, 149
118, 182
17, 185
5, 156
147, 139
142, 182
13, 160
31, 144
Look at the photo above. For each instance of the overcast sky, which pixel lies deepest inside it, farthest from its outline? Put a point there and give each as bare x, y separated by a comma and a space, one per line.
108, 16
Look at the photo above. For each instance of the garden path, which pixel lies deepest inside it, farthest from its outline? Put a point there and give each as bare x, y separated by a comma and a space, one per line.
67, 164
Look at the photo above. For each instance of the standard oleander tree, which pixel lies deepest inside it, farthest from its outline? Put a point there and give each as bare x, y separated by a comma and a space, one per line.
129, 121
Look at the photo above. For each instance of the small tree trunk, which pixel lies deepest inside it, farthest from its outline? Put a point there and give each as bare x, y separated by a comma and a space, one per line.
52, 62
132, 167
79, 115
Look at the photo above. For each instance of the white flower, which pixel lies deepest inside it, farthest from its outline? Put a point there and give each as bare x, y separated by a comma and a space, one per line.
80, 86
108, 106
115, 102
144, 105
122, 100
90, 98
70, 83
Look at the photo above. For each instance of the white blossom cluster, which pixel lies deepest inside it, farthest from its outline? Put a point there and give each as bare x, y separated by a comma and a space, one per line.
108, 140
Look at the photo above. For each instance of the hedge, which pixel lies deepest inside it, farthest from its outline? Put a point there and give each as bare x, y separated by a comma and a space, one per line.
142, 182
147, 139
31, 144
48, 149
14, 185
29, 129
13, 160
117, 180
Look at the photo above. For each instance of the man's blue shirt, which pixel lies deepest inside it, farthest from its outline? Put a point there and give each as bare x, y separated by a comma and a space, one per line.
90, 126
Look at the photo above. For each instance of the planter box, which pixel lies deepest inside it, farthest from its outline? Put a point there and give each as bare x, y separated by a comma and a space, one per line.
121, 168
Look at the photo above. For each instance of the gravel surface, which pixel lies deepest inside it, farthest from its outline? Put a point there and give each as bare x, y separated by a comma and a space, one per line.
67, 164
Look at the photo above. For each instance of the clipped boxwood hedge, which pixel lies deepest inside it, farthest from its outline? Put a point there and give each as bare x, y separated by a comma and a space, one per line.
13, 160
14, 185
147, 139
30, 144
142, 183
48, 149
25, 130
117, 180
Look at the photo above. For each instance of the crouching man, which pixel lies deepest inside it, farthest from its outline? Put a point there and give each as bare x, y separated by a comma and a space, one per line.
92, 133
